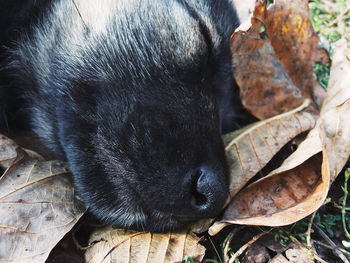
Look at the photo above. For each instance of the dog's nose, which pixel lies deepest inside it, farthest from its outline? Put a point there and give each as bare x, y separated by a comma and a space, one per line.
208, 191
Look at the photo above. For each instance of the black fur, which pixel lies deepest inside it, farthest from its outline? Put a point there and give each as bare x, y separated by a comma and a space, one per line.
135, 97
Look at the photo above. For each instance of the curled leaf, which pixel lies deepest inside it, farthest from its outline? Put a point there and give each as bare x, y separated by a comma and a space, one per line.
251, 148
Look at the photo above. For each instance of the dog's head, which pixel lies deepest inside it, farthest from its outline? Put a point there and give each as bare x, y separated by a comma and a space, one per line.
142, 96
151, 157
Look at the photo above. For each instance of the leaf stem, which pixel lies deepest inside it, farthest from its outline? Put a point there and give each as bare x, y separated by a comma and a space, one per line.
309, 227
244, 247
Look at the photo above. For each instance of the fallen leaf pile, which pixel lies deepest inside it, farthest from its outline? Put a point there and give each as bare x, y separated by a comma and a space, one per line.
272, 56
252, 147
300, 185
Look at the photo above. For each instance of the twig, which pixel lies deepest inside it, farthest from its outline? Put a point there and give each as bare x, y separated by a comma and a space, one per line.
226, 244
335, 250
309, 227
244, 247
329, 247
335, 21
343, 212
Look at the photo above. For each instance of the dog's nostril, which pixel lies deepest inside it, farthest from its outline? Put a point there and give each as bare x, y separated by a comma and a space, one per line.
208, 192
198, 199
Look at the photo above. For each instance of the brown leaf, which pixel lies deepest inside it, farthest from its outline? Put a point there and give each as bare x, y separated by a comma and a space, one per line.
252, 147
293, 191
266, 202
117, 245
289, 29
297, 255
272, 60
37, 205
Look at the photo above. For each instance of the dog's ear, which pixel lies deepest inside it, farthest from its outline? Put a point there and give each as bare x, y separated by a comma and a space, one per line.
229, 106
232, 113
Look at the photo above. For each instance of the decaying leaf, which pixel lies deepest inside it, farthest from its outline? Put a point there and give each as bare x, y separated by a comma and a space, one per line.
252, 147
296, 44
37, 205
117, 245
293, 191
273, 59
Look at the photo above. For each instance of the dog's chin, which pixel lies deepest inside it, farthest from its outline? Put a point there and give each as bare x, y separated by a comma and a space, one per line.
154, 221
136, 217
160, 226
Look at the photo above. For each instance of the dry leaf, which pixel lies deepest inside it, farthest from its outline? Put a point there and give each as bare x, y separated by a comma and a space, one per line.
117, 245
272, 59
251, 148
296, 44
276, 194
37, 205
297, 255
279, 198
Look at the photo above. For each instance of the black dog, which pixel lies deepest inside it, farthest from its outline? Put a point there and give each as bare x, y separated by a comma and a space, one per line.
133, 93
